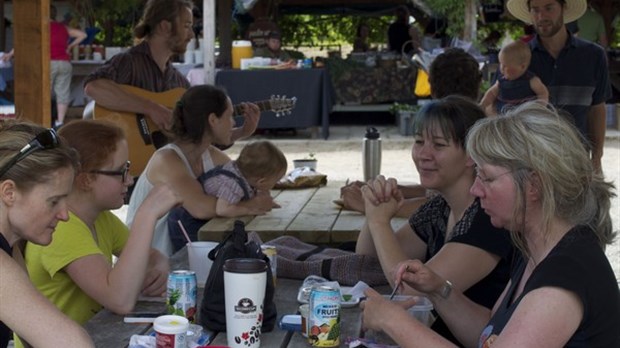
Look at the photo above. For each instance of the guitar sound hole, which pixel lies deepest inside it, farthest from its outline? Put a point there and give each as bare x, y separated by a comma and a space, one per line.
159, 139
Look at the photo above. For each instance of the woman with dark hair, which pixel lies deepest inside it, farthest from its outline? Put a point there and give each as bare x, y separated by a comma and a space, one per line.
202, 117
450, 233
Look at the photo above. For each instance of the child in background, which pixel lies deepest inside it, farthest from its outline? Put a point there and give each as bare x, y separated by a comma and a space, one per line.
256, 171
516, 85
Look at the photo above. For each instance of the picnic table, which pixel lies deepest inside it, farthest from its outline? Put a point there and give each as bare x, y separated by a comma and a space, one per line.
308, 214
108, 329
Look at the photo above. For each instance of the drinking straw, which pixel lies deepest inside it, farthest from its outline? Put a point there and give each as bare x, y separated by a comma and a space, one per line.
184, 231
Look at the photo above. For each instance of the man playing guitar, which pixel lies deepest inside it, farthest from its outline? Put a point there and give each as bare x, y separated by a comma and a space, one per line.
165, 29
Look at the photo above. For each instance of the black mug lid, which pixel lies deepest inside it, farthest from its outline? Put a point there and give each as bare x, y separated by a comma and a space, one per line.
372, 133
245, 266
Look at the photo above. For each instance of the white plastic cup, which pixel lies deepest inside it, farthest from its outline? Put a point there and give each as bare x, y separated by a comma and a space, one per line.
171, 331
244, 293
199, 261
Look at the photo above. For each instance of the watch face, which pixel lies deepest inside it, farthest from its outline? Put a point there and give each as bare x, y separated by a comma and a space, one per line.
446, 289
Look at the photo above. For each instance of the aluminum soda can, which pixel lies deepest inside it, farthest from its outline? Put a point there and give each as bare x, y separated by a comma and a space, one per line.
181, 294
324, 317
271, 252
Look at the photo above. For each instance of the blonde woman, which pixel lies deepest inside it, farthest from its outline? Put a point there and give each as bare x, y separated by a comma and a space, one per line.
36, 173
536, 181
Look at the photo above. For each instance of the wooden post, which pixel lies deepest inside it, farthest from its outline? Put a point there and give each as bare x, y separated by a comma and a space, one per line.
208, 51
469, 30
2, 28
32, 60
224, 26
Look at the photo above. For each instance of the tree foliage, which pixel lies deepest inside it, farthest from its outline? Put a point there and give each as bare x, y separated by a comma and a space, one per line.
115, 18
453, 11
323, 30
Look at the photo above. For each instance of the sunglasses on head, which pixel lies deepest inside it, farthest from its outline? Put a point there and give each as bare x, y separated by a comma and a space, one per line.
45, 140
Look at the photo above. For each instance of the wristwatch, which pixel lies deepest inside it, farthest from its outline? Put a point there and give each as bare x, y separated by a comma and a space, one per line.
445, 290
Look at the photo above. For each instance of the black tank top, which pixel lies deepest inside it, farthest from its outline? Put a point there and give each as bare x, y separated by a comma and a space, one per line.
5, 333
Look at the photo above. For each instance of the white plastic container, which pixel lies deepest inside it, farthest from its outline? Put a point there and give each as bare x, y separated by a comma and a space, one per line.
171, 331
421, 310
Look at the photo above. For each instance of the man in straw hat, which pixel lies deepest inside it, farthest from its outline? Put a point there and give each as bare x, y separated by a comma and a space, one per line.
574, 70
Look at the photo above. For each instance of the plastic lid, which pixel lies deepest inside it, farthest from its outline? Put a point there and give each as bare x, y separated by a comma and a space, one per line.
245, 266
170, 324
372, 133
242, 43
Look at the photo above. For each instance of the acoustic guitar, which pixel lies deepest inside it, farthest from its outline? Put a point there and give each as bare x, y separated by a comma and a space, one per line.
144, 136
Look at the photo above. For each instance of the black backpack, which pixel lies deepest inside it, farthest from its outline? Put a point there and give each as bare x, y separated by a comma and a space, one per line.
212, 309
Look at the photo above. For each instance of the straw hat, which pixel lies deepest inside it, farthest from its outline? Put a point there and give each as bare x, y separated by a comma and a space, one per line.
573, 9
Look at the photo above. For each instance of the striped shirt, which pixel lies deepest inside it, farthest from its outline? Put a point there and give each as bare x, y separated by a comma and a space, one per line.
576, 80
136, 67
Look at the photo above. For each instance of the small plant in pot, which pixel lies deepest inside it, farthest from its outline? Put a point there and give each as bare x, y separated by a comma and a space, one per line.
309, 161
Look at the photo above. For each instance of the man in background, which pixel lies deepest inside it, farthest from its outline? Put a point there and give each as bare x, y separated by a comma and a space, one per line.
398, 32
592, 26
273, 49
574, 70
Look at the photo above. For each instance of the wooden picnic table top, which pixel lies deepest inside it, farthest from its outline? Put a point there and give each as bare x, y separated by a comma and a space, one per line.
308, 214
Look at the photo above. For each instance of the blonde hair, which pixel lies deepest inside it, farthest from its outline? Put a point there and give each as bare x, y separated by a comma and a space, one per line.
38, 166
517, 52
535, 140
261, 159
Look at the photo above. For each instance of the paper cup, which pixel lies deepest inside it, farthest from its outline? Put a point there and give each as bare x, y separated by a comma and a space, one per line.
199, 261
245, 281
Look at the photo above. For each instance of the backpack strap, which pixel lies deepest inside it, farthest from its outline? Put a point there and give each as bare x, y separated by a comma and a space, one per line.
219, 170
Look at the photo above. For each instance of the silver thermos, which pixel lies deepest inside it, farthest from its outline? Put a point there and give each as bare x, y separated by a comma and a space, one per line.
371, 153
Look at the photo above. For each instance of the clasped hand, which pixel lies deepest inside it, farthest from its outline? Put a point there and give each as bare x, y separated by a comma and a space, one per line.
382, 198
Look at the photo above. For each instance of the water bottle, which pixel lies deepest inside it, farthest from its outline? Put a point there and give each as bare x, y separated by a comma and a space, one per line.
371, 153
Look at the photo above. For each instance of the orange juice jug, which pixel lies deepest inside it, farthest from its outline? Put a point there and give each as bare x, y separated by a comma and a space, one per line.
240, 49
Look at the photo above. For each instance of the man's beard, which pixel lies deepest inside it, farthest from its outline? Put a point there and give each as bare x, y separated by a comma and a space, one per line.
551, 28
176, 43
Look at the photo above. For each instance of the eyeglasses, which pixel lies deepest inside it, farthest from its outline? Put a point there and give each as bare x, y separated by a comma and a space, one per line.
122, 173
488, 180
45, 140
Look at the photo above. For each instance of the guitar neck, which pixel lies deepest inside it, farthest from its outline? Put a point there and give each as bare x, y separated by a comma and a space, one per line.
263, 105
